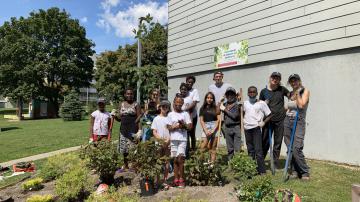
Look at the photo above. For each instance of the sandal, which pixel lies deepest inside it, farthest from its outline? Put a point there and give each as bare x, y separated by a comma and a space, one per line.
165, 187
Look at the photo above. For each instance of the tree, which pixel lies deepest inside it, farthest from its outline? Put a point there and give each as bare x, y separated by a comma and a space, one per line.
116, 70
44, 55
72, 108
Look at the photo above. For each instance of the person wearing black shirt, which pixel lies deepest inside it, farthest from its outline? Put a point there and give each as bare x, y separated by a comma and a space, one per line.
274, 95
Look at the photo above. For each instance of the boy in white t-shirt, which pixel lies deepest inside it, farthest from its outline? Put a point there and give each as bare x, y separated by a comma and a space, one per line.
160, 132
180, 123
254, 112
100, 123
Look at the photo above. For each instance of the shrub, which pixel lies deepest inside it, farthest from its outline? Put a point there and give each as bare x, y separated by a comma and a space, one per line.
146, 158
33, 184
57, 165
112, 196
243, 166
75, 184
40, 198
104, 158
72, 109
258, 189
199, 172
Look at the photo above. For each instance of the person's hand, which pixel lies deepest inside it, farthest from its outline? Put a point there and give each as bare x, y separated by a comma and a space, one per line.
91, 140
222, 107
138, 134
261, 124
167, 141
222, 99
113, 112
175, 126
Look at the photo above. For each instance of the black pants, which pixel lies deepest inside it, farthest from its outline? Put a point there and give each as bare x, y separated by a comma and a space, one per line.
254, 146
191, 138
298, 159
233, 139
277, 128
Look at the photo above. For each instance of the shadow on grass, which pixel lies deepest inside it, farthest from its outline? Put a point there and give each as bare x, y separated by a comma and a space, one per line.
9, 128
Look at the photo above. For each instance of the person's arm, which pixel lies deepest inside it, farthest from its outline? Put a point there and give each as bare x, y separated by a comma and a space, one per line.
301, 101
156, 134
286, 92
92, 120
202, 123
262, 96
267, 119
233, 115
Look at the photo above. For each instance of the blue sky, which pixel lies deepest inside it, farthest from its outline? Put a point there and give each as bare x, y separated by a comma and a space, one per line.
108, 23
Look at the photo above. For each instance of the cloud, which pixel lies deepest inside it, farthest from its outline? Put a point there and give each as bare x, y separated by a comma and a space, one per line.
124, 21
84, 20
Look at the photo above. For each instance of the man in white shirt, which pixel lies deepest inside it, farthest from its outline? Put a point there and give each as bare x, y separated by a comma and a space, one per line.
219, 87
254, 112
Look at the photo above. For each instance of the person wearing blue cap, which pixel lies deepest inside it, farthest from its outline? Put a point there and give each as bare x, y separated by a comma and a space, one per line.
231, 124
100, 122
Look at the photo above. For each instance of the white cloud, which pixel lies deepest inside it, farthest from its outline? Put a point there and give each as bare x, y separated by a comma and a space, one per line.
84, 20
124, 21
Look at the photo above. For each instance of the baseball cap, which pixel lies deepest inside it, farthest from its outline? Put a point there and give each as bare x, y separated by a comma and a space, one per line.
294, 76
230, 89
274, 74
165, 103
101, 100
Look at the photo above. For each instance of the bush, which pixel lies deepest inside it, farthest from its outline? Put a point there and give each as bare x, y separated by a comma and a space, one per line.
75, 184
104, 158
258, 189
147, 159
40, 198
91, 107
243, 166
72, 109
33, 184
57, 165
199, 173
113, 195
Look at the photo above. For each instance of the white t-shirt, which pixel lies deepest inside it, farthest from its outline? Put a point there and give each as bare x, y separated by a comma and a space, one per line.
160, 125
101, 122
175, 117
193, 96
254, 113
219, 92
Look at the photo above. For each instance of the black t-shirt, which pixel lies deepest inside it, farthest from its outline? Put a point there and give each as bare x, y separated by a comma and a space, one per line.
208, 114
276, 101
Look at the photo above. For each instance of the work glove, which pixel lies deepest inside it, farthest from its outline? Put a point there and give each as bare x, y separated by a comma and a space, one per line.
222, 107
138, 134
261, 124
113, 112
91, 140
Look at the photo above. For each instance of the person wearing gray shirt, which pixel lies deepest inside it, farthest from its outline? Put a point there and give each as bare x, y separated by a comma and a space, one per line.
219, 87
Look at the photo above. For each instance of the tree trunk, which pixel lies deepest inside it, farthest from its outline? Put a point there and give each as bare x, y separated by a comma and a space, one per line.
20, 108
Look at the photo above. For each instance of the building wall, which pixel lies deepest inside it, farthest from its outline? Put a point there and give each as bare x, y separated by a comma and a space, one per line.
275, 29
317, 39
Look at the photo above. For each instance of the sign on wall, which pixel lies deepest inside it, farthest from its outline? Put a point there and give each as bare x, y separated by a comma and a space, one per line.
231, 54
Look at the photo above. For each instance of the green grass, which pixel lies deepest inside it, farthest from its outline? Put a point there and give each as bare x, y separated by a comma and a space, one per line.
30, 137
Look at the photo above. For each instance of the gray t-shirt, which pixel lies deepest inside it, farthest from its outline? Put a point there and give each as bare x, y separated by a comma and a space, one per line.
219, 92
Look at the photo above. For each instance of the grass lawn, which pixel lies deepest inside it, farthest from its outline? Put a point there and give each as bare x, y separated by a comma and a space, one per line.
30, 137
328, 182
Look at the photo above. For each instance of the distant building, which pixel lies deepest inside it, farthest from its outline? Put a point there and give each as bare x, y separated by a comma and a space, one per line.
89, 94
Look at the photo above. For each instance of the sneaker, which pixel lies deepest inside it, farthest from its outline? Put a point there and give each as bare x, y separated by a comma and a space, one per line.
181, 183
305, 178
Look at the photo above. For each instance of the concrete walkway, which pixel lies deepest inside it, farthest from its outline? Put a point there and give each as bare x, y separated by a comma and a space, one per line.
39, 156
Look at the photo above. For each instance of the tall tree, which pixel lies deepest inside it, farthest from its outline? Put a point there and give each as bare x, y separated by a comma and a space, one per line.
116, 70
48, 52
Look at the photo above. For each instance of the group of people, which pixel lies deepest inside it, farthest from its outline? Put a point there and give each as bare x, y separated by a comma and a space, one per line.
223, 113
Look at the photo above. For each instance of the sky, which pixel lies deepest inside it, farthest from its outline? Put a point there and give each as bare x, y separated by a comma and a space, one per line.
108, 23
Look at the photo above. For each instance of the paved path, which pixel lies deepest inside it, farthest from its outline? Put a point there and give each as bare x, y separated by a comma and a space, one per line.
39, 156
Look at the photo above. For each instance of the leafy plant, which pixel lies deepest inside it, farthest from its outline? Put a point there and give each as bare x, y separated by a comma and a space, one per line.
32, 185
146, 158
75, 184
40, 198
104, 158
72, 109
57, 165
243, 166
113, 195
199, 172
258, 189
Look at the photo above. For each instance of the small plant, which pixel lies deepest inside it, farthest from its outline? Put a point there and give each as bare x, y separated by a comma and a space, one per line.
72, 109
75, 184
243, 166
33, 184
57, 165
113, 195
258, 189
147, 160
40, 198
199, 172
104, 158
